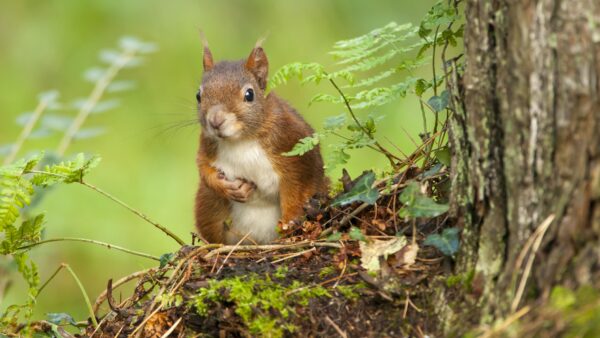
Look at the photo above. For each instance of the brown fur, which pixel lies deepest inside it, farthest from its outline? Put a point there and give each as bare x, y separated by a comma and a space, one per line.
269, 120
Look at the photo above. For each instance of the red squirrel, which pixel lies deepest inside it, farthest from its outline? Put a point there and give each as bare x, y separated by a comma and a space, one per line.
244, 176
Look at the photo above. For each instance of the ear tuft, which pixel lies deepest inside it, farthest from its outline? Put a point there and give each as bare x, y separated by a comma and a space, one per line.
207, 60
258, 64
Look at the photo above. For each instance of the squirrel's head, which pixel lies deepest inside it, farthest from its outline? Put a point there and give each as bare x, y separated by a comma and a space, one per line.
232, 95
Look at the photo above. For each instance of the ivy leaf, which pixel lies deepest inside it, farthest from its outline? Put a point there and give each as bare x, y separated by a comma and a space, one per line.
447, 242
60, 318
439, 103
418, 205
356, 234
304, 145
362, 191
165, 259
443, 155
334, 237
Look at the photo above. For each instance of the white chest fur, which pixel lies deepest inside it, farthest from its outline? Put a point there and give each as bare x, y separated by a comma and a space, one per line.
260, 214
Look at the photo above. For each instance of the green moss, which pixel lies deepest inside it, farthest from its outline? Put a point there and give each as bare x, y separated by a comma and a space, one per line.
326, 271
350, 291
463, 280
261, 303
281, 271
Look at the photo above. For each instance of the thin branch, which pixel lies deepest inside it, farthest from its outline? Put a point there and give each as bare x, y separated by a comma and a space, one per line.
118, 201
85, 296
141, 215
85, 240
39, 110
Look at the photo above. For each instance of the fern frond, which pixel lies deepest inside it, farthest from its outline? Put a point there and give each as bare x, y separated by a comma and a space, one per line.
66, 171
304, 145
15, 190
382, 95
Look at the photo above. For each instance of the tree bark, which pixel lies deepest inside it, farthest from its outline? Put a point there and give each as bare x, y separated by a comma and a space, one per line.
526, 140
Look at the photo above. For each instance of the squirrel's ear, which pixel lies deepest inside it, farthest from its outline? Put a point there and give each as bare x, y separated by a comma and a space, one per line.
258, 65
207, 60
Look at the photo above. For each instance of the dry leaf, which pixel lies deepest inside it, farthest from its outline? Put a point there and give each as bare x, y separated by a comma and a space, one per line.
375, 249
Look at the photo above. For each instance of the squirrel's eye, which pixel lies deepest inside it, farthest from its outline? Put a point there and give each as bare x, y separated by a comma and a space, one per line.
198, 96
249, 95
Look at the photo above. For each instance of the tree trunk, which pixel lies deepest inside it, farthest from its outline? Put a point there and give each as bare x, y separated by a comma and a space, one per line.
526, 142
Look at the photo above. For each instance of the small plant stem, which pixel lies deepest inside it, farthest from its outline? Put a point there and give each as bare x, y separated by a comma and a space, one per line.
85, 240
433, 60
424, 117
118, 201
141, 215
93, 99
391, 157
60, 267
84, 293
39, 110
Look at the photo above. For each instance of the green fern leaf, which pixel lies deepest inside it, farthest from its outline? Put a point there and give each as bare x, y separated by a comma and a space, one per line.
66, 172
304, 145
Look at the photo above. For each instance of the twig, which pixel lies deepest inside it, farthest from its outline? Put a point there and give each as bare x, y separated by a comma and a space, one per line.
141, 215
232, 250
172, 328
539, 235
228, 248
336, 327
295, 254
85, 240
102, 297
506, 323
145, 320
118, 201
42, 105
84, 293
60, 267
93, 99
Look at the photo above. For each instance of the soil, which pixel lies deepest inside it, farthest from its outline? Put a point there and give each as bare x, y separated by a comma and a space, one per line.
317, 266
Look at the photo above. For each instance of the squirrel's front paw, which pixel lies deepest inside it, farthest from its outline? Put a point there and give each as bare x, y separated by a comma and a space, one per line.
238, 190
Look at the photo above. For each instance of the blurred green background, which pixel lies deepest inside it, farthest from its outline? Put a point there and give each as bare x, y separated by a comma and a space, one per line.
50, 44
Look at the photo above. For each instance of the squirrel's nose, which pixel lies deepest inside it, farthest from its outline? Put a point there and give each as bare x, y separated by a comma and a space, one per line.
216, 122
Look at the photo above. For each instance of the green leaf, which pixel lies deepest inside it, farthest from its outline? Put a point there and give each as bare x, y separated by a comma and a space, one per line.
421, 86
363, 190
165, 259
60, 318
89, 133
304, 145
418, 205
334, 237
439, 103
447, 242
443, 155
336, 158
356, 234
66, 171
335, 122
562, 298
15, 190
